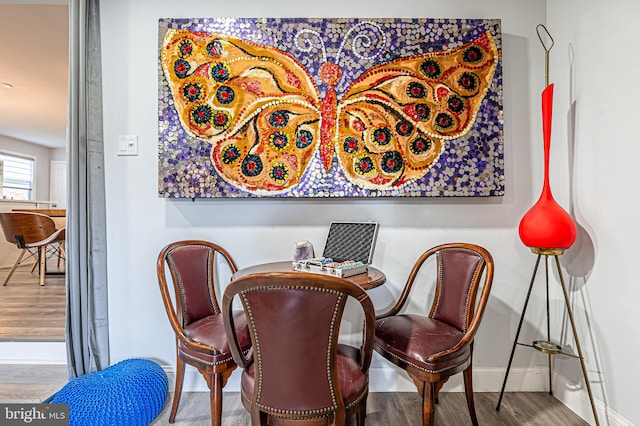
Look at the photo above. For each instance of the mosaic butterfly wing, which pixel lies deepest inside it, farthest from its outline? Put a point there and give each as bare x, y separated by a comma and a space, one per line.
263, 115
258, 107
394, 119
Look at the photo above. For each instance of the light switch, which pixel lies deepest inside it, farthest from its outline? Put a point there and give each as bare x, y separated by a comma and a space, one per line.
127, 145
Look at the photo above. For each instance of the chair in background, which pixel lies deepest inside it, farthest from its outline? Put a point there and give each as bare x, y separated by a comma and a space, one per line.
297, 369
195, 317
59, 219
32, 233
432, 348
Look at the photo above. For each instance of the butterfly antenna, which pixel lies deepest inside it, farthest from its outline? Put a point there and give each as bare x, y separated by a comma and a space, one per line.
305, 45
365, 41
546, 50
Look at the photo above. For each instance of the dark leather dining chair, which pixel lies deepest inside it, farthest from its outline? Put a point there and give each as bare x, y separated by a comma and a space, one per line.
32, 233
297, 369
433, 347
196, 318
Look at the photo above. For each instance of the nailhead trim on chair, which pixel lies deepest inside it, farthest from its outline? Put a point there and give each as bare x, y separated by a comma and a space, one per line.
200, 360
306, 413
211, 259
180, 287
358, 399
330, 348
439, 284
246, 351
179, 278
417, 366
353, 403
282, 413
319, 413
466, 305
256, 345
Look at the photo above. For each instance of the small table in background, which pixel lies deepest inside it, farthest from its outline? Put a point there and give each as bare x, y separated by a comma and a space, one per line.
371, 279
58, 215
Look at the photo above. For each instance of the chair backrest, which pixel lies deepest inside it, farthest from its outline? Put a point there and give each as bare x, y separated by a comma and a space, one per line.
294, 321
460, 268
192, 264
26, 228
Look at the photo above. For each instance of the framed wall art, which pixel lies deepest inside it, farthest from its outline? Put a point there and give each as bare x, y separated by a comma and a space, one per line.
301, 107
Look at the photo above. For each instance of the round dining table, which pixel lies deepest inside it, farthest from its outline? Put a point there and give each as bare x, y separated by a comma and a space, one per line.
368, 280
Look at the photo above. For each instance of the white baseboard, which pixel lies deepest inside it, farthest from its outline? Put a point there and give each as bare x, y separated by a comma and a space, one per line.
391, 379
33, 353
577, 399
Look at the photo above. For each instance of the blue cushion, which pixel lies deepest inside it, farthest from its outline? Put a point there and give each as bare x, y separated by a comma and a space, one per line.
131, 392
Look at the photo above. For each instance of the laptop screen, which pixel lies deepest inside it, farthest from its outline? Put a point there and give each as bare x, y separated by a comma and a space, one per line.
351, 241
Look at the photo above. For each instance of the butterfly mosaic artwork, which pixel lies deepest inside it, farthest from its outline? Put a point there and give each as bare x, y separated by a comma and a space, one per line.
330, 108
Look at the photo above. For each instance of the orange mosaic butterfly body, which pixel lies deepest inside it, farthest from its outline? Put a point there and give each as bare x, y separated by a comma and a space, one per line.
262, 111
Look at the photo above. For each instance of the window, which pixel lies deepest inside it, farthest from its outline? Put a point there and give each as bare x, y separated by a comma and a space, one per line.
16, 177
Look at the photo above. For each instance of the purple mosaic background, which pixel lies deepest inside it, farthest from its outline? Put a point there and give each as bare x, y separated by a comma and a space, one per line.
469, 166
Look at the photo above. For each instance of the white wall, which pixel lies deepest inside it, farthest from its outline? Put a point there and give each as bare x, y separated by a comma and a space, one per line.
256, 231
58, 154
595, 65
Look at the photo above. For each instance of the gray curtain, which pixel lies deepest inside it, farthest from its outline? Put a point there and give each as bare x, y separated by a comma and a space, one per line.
87, 323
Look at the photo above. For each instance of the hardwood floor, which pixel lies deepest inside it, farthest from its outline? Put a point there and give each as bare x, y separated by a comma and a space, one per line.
25, 383
29, 311
400, 409
36, 383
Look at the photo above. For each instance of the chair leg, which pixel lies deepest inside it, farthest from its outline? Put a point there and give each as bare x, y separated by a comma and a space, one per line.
468, 390
35, 264
60, 251
437, 388
13, 268
361, 413
177, 390
215, 393
428, 404
258, 418
339, 418
42, 256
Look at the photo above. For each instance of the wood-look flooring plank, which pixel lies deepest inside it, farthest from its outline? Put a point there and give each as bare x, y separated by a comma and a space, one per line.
29, 311
41, 320
23, 383
36, 383
24, 334
400, 409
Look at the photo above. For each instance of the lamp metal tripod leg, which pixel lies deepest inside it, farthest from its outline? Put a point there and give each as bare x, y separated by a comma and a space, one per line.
575, 336
515, 340
546, 271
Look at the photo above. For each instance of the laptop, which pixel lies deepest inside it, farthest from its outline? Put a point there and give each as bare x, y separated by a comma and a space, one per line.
348, 250
351, 241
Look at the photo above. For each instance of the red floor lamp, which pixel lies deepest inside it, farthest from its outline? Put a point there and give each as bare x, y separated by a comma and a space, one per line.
548, 230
